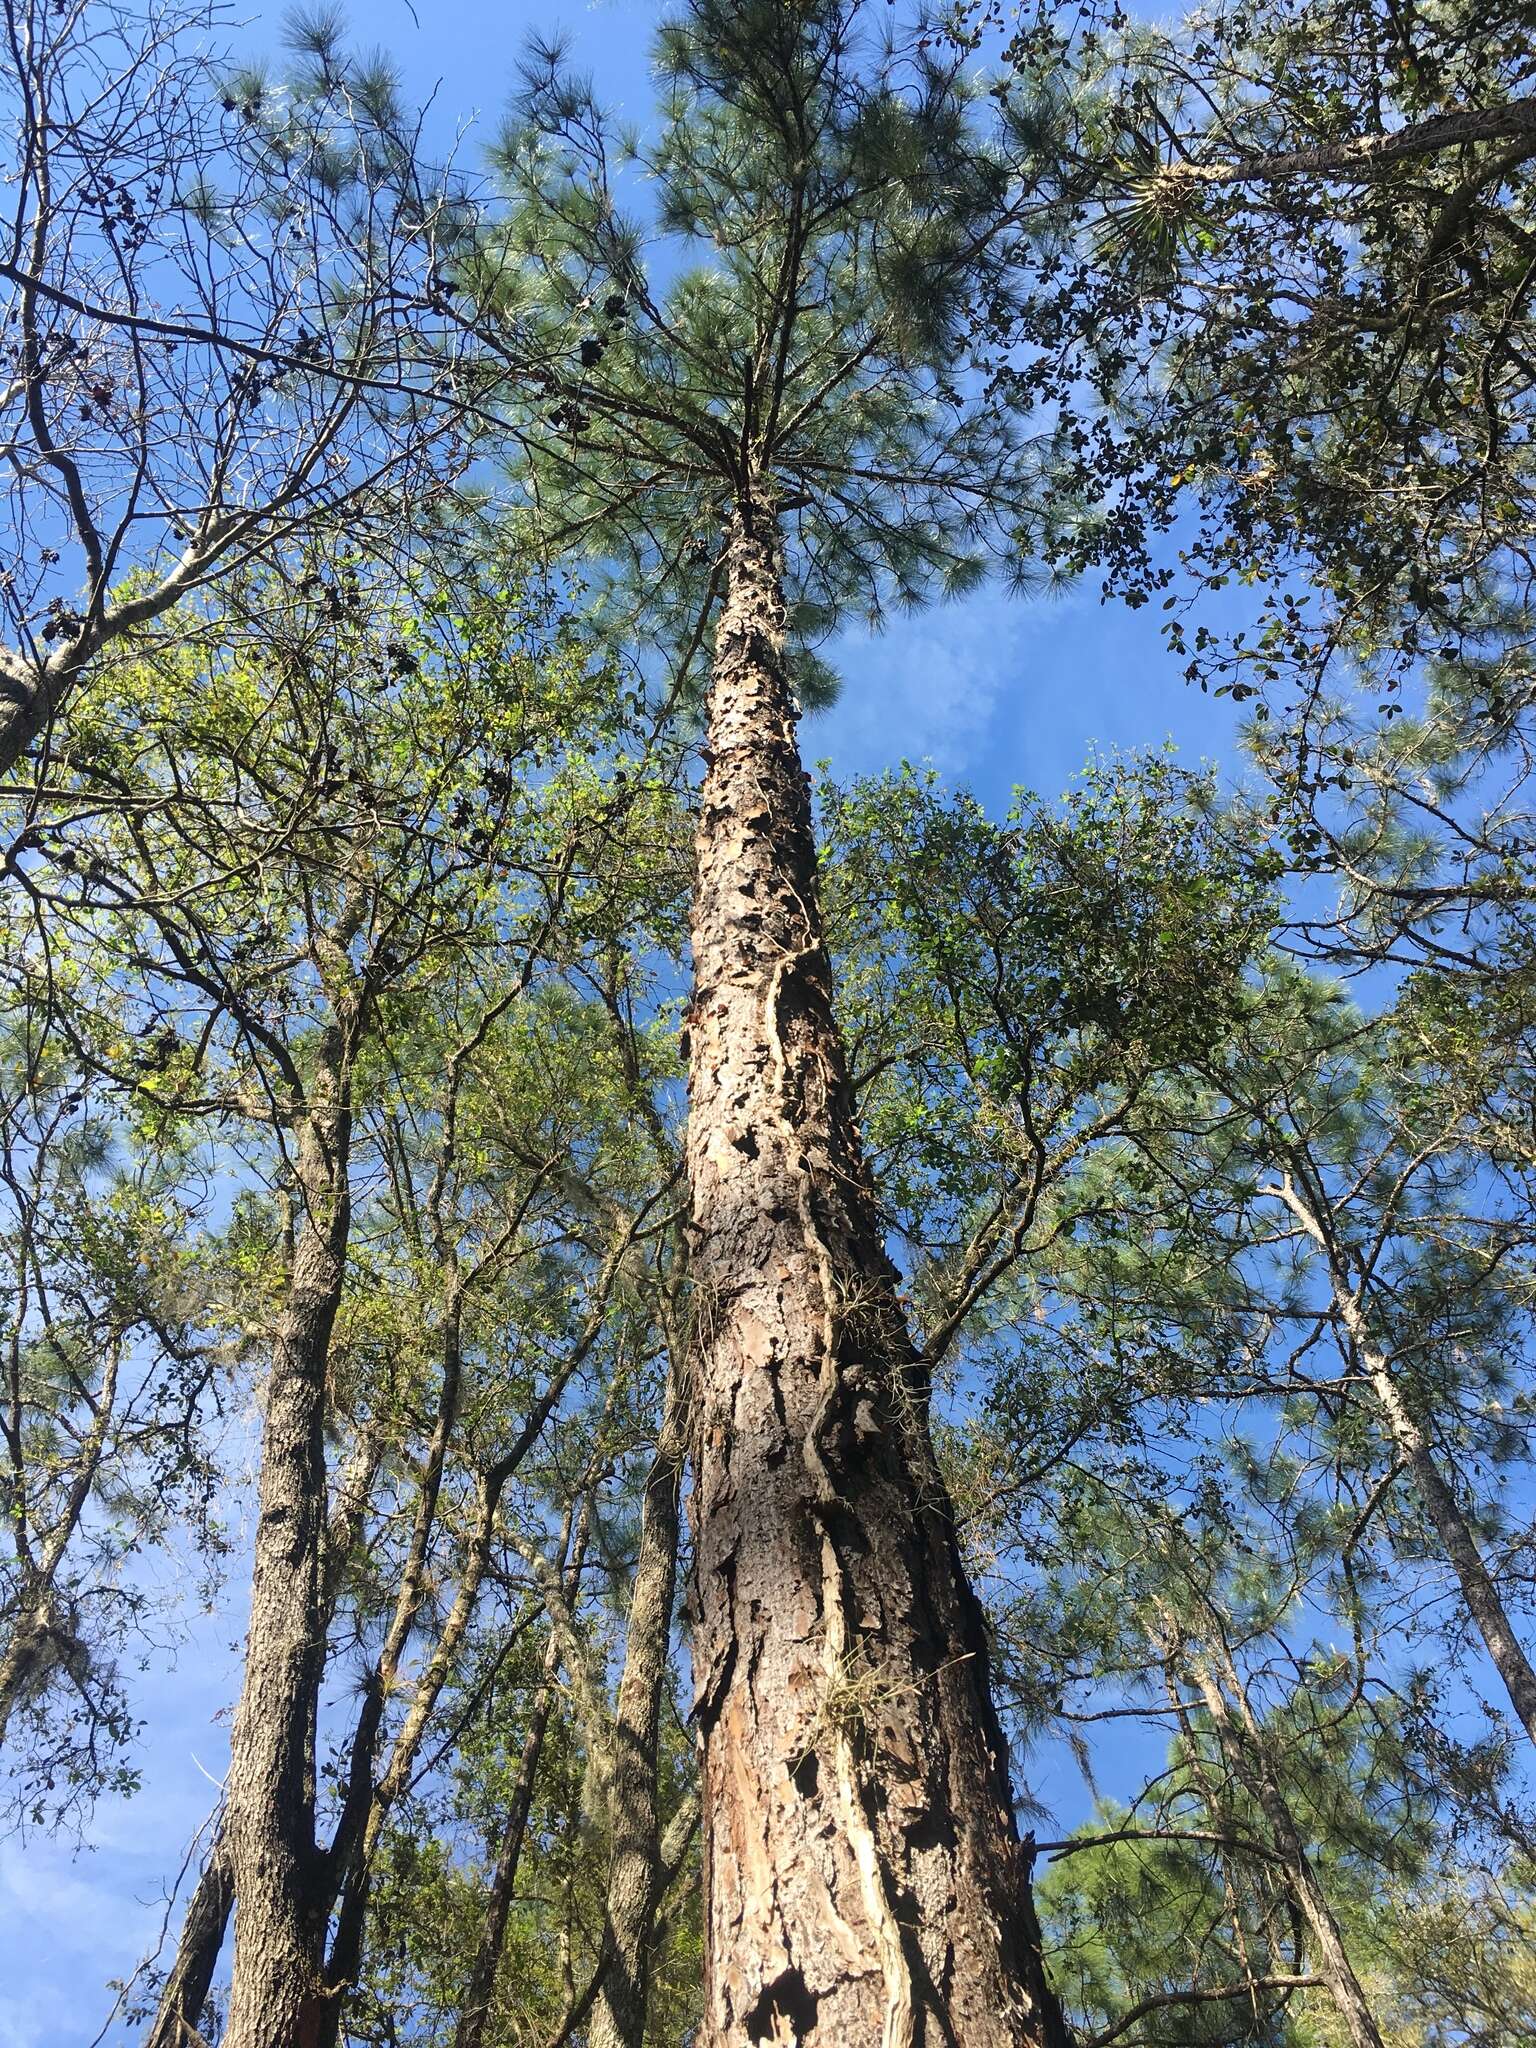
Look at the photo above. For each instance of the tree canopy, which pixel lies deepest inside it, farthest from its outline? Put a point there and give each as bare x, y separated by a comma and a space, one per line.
813, 1408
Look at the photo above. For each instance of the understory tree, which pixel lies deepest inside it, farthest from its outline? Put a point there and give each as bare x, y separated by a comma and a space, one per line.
225, 325
324, 918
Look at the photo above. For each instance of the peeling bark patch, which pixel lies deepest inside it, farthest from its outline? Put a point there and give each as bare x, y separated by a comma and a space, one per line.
930, 1829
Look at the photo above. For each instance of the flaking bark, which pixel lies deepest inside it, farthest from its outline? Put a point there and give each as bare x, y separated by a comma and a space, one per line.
865, 1886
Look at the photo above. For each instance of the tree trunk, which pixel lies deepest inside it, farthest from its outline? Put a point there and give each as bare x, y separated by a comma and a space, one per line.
185, 1992
350, 1860
1245, 1750
475, 2012
28, 696
366, 1805
476, 2009
1444, 1510
864, 1881
277, 1999
633, 1889
1478, 1590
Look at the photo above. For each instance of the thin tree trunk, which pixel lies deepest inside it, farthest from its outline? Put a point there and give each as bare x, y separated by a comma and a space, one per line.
277, 1998
348, 1864
1444, 1511
1440, 1504
1245, 1749
1478, 1590
480, 1990
864, 1880
350, 1861
635, 1861
185, 1992
40, 1635
366, 1806
475, 2012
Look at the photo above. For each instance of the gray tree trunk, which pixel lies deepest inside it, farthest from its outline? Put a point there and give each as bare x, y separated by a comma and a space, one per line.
185, 1991
1244, 1747
480, 1992
1478, 1590
277, 1996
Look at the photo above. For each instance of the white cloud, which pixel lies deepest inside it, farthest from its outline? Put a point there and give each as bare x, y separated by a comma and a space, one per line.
924, 690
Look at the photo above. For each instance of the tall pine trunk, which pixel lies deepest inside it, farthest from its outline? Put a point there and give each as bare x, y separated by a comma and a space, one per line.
864, 1881
277, 1999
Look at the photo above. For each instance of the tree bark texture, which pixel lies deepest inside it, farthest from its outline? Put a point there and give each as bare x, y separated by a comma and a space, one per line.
1365, 156
277, 1999
864, 1881
185, 1991
634, 1888
26, 705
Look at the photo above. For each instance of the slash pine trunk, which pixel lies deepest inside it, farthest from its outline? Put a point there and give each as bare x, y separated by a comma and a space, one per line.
864, 1881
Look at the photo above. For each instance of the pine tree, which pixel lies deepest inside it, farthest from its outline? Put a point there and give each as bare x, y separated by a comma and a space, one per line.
784, 433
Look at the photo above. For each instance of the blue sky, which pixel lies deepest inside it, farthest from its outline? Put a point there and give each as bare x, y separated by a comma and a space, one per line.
993, 691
